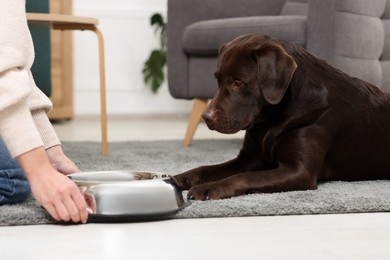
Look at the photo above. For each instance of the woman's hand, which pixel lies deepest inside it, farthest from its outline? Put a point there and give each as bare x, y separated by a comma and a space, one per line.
53, 190
60, 161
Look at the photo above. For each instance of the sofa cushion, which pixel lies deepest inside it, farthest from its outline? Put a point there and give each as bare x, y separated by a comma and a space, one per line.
204, 38
373, 8
364, 35
295, 7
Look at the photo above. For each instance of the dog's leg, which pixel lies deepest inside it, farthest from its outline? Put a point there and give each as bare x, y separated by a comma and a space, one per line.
210, 173
249, 159
283, 178
213, 173
300, 157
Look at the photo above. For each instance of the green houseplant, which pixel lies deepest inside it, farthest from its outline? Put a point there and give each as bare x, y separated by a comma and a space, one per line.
154, 67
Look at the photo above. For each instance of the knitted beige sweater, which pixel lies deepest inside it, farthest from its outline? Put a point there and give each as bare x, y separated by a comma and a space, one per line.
24, 124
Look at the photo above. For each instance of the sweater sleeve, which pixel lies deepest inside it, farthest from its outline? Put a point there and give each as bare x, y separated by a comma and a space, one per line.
40, 105
23, 122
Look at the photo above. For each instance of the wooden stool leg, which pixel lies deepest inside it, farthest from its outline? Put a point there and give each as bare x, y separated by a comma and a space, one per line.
103, 106
194, 120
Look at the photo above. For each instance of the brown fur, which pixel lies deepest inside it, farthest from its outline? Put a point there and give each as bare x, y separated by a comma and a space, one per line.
305, 121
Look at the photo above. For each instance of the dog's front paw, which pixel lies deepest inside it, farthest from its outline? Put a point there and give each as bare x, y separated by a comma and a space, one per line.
183, 181
189, 179
210, 191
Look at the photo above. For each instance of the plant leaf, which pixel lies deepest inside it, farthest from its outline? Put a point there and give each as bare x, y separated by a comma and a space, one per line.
157, 19
153, 69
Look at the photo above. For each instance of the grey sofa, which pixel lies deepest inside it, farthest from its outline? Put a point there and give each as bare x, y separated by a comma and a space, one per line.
352, 35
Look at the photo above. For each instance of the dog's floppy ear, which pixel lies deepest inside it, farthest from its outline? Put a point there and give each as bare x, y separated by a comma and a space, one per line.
221, 48
275, 70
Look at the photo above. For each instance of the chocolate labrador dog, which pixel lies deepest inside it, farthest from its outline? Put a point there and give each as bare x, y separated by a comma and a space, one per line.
306, 122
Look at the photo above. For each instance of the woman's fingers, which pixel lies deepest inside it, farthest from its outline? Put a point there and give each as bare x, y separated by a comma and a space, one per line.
81, 205
66, 203
52, 211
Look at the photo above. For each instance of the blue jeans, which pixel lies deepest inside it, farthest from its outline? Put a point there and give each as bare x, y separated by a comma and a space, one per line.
14, 187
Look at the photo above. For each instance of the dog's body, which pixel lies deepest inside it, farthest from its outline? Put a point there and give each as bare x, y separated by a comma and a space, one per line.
305, 122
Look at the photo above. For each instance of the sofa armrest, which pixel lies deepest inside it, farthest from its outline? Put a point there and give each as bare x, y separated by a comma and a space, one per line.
348, 34
182, 13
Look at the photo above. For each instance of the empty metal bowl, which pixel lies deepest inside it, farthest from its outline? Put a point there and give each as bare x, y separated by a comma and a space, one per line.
129, 195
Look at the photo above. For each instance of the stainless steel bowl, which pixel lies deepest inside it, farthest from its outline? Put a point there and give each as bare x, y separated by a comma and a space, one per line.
129, 195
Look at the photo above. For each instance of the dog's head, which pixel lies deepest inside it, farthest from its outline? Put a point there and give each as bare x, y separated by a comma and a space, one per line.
252, 71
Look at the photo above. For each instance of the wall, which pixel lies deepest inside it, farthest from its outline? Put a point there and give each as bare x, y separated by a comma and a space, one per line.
128, 41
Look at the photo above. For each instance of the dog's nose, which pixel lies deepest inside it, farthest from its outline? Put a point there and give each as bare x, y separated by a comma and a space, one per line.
209, 116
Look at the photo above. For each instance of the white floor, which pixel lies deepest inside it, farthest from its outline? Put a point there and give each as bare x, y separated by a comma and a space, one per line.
349, 236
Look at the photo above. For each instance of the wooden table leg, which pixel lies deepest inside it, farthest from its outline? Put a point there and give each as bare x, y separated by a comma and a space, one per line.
103, 106
103, 103
195, 117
